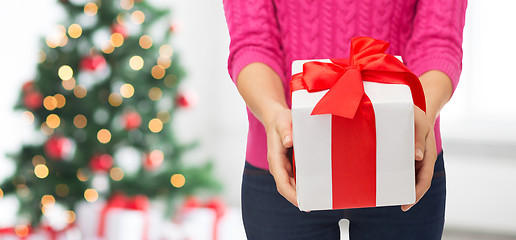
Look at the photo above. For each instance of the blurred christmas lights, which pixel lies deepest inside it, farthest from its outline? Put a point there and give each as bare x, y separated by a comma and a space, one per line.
41, 171
127, 90
158, 72
155, 125
75, 30
80, 121
91, 195
138, 17
177, 180
145, 42
136, 63
90, 9
104, 136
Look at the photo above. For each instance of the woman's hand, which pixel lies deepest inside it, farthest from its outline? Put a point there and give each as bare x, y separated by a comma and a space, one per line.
425, 153
438, 90
279, 139
264, 94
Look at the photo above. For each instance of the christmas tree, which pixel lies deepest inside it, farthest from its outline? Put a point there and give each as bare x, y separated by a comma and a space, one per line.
102, 102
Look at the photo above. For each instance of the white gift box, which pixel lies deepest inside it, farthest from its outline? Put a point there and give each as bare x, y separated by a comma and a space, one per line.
120, 223
312, 136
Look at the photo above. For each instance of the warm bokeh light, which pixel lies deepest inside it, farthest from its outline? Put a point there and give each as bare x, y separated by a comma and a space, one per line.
46, 130
75, 30
70, 216
138, 17
170, 81
80, 121
61, 100
82, 175
53, 121
22, 190
50, 103
155, 93
29, 116
38, 159
177, 180
62, 190
21, 230
48, 201
156, 157
91, 195
136, 63
41, 171
104, 136
164, 116
108, 48
116, 173
80, 91
127, 90
115, 99
65, 72
57, 38
158, 72
155, 125
145, 42
117, 39
69, 84
126, 4
1, 194
120, 18
166, 51
90, 9
164, 62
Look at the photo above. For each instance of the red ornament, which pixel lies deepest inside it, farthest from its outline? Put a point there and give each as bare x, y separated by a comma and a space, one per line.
119, 28
186, 99
101, 162
33, 100
28, 87
58, 147
131, 120
93, 63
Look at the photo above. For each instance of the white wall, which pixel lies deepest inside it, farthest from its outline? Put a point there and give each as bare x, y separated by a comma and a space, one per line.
479, 130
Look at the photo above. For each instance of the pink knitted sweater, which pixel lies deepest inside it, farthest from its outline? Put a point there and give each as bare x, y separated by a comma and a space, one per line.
426, 33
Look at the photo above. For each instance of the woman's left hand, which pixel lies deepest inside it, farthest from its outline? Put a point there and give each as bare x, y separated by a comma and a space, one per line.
425, 153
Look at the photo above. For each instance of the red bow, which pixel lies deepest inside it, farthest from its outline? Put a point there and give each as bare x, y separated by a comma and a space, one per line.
118, 200
367, 62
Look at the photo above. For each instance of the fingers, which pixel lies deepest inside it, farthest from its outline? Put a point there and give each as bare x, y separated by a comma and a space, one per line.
281, 170
425, 171
279, 139
421, 132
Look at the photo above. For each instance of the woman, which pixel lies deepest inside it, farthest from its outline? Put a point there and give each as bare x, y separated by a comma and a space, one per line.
267, 35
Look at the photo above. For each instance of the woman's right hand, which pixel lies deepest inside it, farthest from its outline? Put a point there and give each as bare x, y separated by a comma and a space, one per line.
279, 139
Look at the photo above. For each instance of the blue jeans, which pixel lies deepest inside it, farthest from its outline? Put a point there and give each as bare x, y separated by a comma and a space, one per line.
269, 216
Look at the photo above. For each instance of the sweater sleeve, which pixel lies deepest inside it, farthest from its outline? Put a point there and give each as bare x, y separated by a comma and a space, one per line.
436, 40
254, 34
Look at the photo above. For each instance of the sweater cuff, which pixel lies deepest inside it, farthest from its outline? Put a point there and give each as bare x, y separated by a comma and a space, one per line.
449, 67
251, 55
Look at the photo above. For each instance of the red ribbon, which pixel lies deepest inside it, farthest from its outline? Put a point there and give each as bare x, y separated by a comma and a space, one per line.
367, 62
12, 230
121, 201
353, 120
215, 204
54, 233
